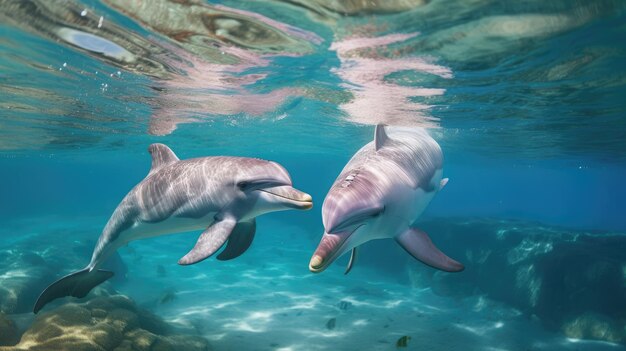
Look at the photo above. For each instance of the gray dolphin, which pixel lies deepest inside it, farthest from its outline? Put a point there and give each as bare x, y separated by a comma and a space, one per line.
221, 194
382, 190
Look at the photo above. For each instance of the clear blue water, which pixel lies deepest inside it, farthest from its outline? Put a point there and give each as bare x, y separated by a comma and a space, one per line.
526, 101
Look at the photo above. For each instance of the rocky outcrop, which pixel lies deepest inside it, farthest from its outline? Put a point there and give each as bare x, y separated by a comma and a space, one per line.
104, 323
9, 334
24, 274
573, 281
29, 265
594, 326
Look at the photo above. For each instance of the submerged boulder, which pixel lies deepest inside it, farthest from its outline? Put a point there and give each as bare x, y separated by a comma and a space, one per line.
573, 281
9, 335
29, 265
24, 274
104, 323
594, 326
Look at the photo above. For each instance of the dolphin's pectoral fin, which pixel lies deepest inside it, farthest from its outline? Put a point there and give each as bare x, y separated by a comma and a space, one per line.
239, 240
353, 256
210, 241
418, 244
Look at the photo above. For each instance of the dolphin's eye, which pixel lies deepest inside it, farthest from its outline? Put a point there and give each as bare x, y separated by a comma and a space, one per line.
359, 217
243, 185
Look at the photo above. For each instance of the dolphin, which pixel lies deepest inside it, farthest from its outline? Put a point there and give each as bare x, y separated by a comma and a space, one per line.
379, 194
222, 194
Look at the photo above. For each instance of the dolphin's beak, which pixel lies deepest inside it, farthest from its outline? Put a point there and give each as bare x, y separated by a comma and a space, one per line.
331, 247
290, 197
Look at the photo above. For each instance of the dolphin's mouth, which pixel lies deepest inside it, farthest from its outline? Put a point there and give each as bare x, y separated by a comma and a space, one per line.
330, 248
290, 197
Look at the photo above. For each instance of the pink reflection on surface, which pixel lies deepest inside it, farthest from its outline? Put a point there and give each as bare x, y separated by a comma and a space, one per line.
213, 89
211, 50
363, 69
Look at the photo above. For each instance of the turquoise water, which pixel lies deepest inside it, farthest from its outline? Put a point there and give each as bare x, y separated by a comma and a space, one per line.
526, 101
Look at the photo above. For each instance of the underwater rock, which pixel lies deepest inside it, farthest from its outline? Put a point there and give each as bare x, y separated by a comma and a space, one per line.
30, 264
9, 335
594, 326
104, 323
561, 276
23, 274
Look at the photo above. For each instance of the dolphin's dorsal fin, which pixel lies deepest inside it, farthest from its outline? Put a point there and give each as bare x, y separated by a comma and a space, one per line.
161, 156
380, 136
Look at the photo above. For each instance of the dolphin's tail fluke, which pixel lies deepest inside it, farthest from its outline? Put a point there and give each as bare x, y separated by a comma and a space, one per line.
77, 284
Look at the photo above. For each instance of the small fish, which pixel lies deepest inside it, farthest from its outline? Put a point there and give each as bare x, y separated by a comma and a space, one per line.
403, 341
167, 297
344, 305
331, 323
